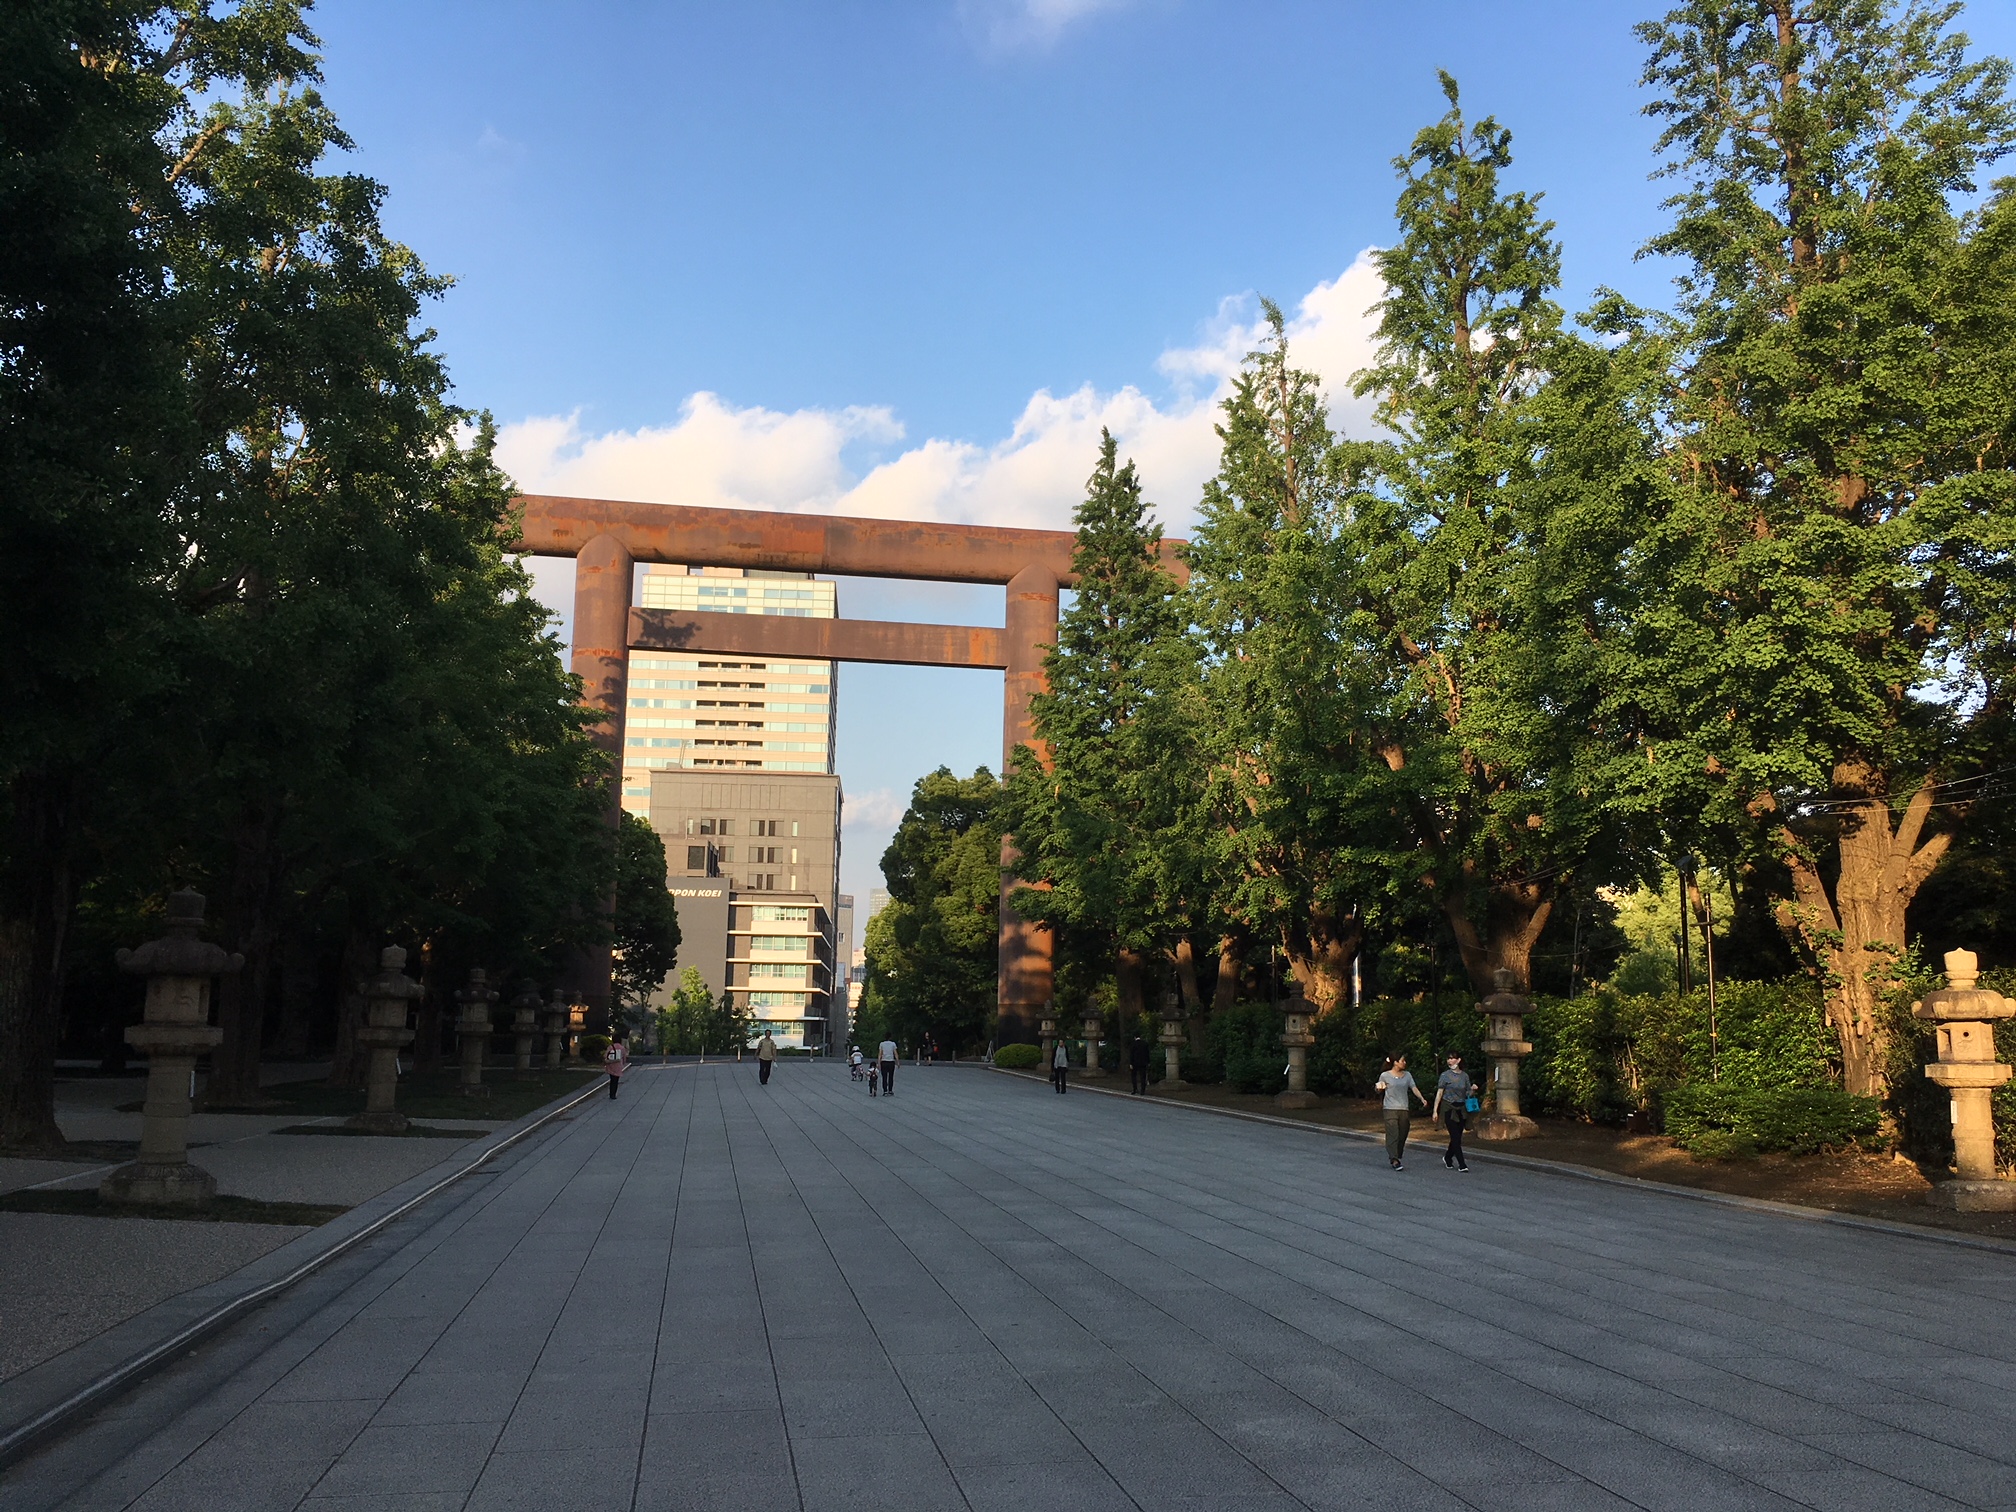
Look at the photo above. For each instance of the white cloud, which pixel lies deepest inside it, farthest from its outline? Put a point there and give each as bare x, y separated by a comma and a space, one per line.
716, 454
879, 809
1014, 25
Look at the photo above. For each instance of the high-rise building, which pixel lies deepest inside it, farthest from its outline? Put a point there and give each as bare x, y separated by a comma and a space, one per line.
707, 713
756, 856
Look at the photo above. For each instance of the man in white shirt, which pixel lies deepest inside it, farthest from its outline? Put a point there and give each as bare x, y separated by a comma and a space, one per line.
886, 1059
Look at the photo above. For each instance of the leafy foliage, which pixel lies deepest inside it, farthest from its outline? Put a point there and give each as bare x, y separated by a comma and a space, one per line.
931, 948
1720, 1119
1018, 1057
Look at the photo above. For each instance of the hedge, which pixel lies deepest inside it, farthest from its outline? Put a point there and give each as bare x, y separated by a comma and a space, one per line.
1018, 1057
1718, 1119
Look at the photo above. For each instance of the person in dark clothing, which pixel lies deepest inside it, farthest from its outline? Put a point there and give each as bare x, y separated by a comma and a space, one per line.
1060, 1066
1453, 1091
1137, 1063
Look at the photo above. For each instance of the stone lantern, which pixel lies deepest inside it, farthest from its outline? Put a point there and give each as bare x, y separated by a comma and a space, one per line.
1969, 1072
1094, 1028
387, 998
556, 1028
176, 1029
1297, 1014
1049, 1035
1172, 1038
1504, 1047
577, 1021
472, 1031
524, 1028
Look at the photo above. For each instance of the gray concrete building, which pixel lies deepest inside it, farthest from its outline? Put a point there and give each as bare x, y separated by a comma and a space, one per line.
757, 858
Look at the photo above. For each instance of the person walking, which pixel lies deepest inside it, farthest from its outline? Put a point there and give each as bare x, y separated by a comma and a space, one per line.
1060, 1066
766, 1057
885, 1058
1397, 1083
615, 1061
1453, 1091
1137, 1064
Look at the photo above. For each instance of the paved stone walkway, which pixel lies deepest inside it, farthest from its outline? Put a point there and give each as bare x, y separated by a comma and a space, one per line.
980, 1294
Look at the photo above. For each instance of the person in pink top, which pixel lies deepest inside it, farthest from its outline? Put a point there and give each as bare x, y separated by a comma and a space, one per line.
616, 1060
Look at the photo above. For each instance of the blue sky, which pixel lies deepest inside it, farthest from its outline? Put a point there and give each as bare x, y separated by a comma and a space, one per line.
904, 258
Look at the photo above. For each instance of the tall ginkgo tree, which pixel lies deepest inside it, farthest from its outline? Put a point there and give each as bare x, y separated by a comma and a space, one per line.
1843, 411
1485, 549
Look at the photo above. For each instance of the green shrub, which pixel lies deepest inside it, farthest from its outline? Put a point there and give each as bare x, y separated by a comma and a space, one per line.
592, 1046
1257, 1070
1018, 1057
1717, 1119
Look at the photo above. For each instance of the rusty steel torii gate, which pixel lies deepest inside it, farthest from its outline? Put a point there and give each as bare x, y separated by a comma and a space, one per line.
607, 538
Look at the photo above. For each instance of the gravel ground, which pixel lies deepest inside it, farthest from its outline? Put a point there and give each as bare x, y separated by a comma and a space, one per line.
63, 1280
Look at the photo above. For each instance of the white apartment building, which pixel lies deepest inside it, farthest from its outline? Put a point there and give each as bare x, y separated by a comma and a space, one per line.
696, 711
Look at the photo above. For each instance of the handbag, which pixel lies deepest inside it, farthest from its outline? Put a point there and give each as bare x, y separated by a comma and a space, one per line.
1471, 1104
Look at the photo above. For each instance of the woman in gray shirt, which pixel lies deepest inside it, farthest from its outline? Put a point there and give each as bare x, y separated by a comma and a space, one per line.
1452, 1103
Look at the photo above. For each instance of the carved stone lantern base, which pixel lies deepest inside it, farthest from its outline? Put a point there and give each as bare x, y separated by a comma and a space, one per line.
1496, 1126
1965, 1196
141, 1185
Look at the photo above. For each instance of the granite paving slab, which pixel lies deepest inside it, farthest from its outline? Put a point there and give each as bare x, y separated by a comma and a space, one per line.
979, 1295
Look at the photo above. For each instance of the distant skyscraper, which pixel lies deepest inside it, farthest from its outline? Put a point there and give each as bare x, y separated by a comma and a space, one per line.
710, 712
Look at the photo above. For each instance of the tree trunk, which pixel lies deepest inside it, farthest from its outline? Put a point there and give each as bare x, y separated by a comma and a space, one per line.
1193, 993
348, 1061
35, 911
1320, 955
1231, 963
427, 1019
297, 996
1514, 915
242, 995
1856, 938
1129, 970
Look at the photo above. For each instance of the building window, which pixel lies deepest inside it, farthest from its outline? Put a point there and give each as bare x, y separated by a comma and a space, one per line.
793, 943
778, 913
696, 858
784, 969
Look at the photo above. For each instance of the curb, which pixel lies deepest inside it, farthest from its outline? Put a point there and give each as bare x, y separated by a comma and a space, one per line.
36, 1404
1587, 1173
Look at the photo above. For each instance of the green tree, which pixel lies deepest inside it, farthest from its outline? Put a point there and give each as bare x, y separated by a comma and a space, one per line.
647, 920
93, 405
1486, 552
1292, 698
931, 948
1837, 606
1105, 823
695, 1023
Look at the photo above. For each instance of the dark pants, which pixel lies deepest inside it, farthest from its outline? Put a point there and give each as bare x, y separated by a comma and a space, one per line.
1454, 1123
1057, 1075
763, 1071
1140, 1078
1398, 1121
614, 1083
888, 1069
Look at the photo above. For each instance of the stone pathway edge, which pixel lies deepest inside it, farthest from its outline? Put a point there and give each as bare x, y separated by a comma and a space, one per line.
38, 1403
1574, 1172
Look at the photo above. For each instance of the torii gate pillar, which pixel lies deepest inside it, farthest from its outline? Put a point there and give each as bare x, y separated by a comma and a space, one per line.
604, 575
1025, 981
